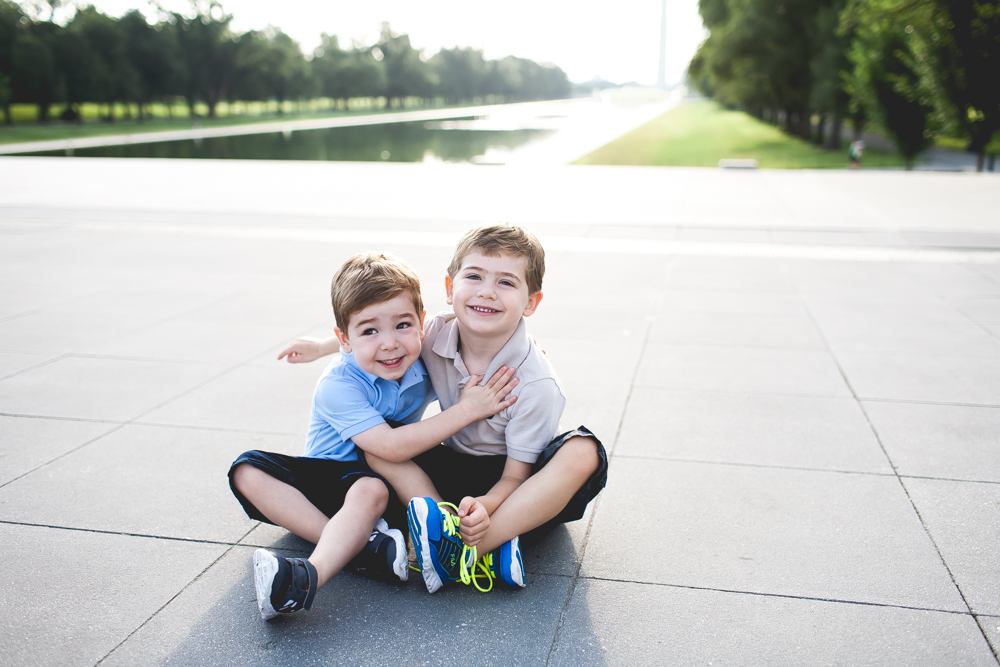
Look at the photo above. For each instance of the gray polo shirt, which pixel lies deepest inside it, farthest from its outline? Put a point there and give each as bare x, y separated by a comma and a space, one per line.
521, 431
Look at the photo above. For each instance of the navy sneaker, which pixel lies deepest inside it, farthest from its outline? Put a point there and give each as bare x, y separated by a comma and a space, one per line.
504, 563
284, 585
443, 557
384, 557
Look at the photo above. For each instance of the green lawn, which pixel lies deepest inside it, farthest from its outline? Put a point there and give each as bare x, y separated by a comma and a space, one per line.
700, 133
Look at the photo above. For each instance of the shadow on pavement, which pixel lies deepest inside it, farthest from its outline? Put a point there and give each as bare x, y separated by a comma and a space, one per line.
360, 621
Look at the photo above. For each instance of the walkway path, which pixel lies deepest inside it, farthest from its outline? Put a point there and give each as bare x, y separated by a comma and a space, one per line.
804, 464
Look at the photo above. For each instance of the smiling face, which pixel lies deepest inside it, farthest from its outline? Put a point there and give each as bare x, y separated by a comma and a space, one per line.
490, 294
384, 337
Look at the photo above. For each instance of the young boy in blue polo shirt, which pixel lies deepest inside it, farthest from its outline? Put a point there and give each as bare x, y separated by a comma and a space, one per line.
329, 496
509, 474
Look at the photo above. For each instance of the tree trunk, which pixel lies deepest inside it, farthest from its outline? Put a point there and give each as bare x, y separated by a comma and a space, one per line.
980, 159
820, 129
6, 114
836, 124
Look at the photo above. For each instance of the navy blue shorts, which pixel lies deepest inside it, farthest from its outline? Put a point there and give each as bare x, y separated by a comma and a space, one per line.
456, 475
323, 482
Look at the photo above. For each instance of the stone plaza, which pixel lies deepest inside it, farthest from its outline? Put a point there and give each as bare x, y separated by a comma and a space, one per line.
796, 375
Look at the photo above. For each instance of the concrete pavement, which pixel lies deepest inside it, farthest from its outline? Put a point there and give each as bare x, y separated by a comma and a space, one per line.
804, 467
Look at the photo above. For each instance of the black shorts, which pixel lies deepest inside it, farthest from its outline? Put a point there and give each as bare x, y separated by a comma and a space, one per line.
323, 482
456, 475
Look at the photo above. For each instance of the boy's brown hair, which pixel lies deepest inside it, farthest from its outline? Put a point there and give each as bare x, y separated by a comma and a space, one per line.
370, 278
507, 238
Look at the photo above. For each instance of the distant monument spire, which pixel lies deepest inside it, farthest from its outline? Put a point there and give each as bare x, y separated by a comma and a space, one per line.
661, 79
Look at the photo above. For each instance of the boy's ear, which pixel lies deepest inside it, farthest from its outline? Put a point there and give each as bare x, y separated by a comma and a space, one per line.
532, 304
423, 321
447, 289
345, 344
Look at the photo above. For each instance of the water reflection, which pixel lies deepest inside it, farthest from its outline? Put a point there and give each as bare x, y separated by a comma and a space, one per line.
396, 142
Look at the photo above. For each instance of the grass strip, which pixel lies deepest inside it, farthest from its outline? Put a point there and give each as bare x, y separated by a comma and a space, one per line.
699, 133
53, 130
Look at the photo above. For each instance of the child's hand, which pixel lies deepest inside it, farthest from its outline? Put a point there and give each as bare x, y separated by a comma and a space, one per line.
485, 400
302, 350
475, 521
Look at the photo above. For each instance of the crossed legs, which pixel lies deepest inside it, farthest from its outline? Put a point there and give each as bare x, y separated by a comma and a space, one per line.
338, 538
537, 500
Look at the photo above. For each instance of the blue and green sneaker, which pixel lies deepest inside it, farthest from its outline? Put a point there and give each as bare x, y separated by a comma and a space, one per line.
443, 557
504, 563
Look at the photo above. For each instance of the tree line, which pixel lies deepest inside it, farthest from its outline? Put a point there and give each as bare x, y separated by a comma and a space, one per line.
101, 59
912, 69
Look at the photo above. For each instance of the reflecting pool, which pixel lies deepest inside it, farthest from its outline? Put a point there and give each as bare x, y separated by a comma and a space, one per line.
389, 142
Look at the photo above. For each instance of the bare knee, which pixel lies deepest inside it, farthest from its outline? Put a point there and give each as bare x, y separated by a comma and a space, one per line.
579, 456
369, 492
244, 478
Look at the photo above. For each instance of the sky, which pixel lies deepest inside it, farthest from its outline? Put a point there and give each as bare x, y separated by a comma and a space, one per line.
616, 41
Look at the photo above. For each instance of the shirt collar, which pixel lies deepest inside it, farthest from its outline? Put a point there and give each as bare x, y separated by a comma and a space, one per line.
413, 375
511, 354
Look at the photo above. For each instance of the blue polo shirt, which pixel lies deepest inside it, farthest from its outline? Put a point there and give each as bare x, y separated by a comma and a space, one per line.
348, 401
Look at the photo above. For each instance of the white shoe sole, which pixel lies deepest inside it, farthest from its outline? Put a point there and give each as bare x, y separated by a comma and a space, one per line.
265, 566
418, 532
401, 566
516, 570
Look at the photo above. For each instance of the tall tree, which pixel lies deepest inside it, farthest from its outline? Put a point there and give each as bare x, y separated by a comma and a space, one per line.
10, 27
461, 73
33, 70
969, 66
758, 56
407, 75
152, 51
209, 52
113, 78
829, 95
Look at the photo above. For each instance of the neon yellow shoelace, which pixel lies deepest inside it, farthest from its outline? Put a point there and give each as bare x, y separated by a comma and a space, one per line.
465, 575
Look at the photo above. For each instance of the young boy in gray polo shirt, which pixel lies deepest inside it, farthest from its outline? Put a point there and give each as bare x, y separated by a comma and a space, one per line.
509, 474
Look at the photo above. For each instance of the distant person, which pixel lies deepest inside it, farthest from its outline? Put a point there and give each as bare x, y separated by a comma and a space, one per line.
501, 477
330, 497
855, 152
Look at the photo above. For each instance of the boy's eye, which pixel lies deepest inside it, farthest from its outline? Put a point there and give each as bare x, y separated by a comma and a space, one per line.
403, 325
507, 283
369, 332
472, 276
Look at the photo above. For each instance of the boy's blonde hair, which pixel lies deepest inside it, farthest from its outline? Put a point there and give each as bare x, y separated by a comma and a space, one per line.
370, 278
507, 238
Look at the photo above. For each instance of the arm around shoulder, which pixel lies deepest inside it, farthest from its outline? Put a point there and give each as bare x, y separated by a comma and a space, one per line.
305, 349
478, 402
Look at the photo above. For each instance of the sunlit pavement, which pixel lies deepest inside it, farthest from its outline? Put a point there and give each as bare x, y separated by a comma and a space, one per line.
797, 375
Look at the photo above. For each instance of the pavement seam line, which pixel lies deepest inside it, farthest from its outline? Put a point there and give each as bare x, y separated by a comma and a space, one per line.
38, 365
62, 419
582, 244
173, 597
6, 210
899, 480
869, 399
785, 596
590, 524
65, 454
802, 469
135, 419
17, 315
100, 531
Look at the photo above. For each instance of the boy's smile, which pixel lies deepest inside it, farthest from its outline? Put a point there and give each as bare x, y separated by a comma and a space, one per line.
490, 294
384, 337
